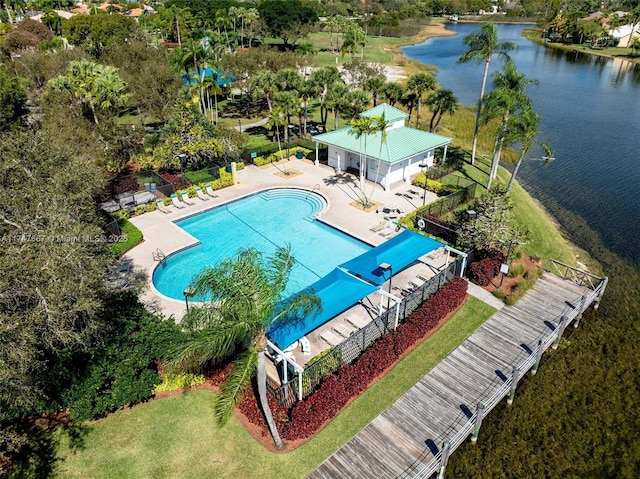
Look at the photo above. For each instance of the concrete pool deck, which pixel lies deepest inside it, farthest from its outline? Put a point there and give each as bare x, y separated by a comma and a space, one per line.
161, 234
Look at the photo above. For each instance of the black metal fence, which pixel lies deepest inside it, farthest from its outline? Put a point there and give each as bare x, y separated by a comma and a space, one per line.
142, 181
449, 202
347, 351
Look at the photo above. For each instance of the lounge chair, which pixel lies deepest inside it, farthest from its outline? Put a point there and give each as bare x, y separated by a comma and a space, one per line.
343, 330
143, 198
210, 191
305, 345
379, 226
186, 199
357, 321
176, 202
162, 207
424, 276
200, 194
330, 338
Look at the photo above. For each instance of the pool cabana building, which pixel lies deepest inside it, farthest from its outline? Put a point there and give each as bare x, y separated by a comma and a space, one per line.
397, 159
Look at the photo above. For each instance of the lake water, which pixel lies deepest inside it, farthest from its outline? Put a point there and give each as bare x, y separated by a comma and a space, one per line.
590, 109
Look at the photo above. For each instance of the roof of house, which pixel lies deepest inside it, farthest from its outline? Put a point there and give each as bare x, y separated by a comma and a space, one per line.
390, 113
402, 142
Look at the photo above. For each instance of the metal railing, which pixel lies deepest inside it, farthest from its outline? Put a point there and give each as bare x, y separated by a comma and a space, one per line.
523, 364
347, 351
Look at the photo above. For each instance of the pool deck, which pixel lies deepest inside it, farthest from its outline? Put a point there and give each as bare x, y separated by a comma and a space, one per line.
161, 234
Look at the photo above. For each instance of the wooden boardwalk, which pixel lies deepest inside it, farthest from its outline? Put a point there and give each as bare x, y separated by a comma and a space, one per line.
408, 435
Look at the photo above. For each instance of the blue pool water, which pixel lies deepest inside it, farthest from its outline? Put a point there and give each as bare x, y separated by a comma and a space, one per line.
263, 221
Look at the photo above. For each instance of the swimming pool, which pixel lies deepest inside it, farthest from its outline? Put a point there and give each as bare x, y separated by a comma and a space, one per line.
263, 221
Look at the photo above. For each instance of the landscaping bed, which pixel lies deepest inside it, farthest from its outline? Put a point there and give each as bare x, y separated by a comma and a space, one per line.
305, 418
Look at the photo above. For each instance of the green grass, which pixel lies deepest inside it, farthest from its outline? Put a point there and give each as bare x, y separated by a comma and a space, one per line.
132, 234
175, 437
200, 176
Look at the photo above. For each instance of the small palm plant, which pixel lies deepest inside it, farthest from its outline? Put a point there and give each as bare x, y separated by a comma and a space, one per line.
243, 299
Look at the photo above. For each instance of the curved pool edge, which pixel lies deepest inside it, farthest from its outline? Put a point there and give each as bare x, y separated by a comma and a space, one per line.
326, 205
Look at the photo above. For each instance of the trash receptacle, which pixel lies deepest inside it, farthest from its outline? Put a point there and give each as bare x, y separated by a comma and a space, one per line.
299, 154
228, 168
147, 187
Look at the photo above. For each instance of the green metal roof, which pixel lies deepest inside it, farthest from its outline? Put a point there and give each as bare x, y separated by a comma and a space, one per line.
390, 113
402, 143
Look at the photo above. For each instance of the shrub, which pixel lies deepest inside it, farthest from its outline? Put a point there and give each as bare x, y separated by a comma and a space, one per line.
178, 381
534, 274
518, 292
516, 270
483, 271
120, 215
120, 367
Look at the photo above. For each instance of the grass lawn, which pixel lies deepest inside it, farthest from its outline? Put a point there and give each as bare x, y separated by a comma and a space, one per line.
132, 236
176, 437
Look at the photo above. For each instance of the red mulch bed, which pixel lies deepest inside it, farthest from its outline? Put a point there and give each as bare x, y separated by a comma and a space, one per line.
338, 390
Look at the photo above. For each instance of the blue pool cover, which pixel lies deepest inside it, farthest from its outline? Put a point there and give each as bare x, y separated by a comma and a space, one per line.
400, 251
340, 290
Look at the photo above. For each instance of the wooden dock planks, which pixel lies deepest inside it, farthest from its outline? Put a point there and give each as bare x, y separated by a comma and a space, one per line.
401, 439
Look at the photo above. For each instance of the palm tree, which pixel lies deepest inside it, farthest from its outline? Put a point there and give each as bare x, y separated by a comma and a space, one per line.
441, 102
393, 92
505, 99
92, 85
244, 298
361, 128
521, 129
354, 38
288, 102
374, 85
336, 100
263, 84
633, 18
321, 80
482, 46
419, 84
358, 101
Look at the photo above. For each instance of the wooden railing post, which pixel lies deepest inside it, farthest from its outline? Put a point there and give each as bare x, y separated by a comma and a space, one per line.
515, 376
561, 326
536, 365
583, 305
478, 423
444, 459
603, 286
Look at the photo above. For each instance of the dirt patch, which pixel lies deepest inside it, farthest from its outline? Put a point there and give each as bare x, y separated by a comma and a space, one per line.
288, 173
371, 205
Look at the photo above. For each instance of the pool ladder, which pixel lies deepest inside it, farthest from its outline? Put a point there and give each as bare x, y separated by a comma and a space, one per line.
158, 255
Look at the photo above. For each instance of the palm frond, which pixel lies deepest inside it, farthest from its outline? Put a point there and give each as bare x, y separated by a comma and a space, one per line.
548, 151
231, 391
216, 342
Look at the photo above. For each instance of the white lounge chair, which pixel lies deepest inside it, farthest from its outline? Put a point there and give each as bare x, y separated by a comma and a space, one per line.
176, 202
160, 205
424, 276
380, 226
343, 330
357, 321
201, 194
330, 338
186, 199
305, 345
210, 191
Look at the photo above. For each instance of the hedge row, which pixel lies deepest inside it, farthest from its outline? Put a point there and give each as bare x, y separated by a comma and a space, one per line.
278, 155
306, 417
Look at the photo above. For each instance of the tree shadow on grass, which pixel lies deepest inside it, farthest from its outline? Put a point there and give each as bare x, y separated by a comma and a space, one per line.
37, 456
